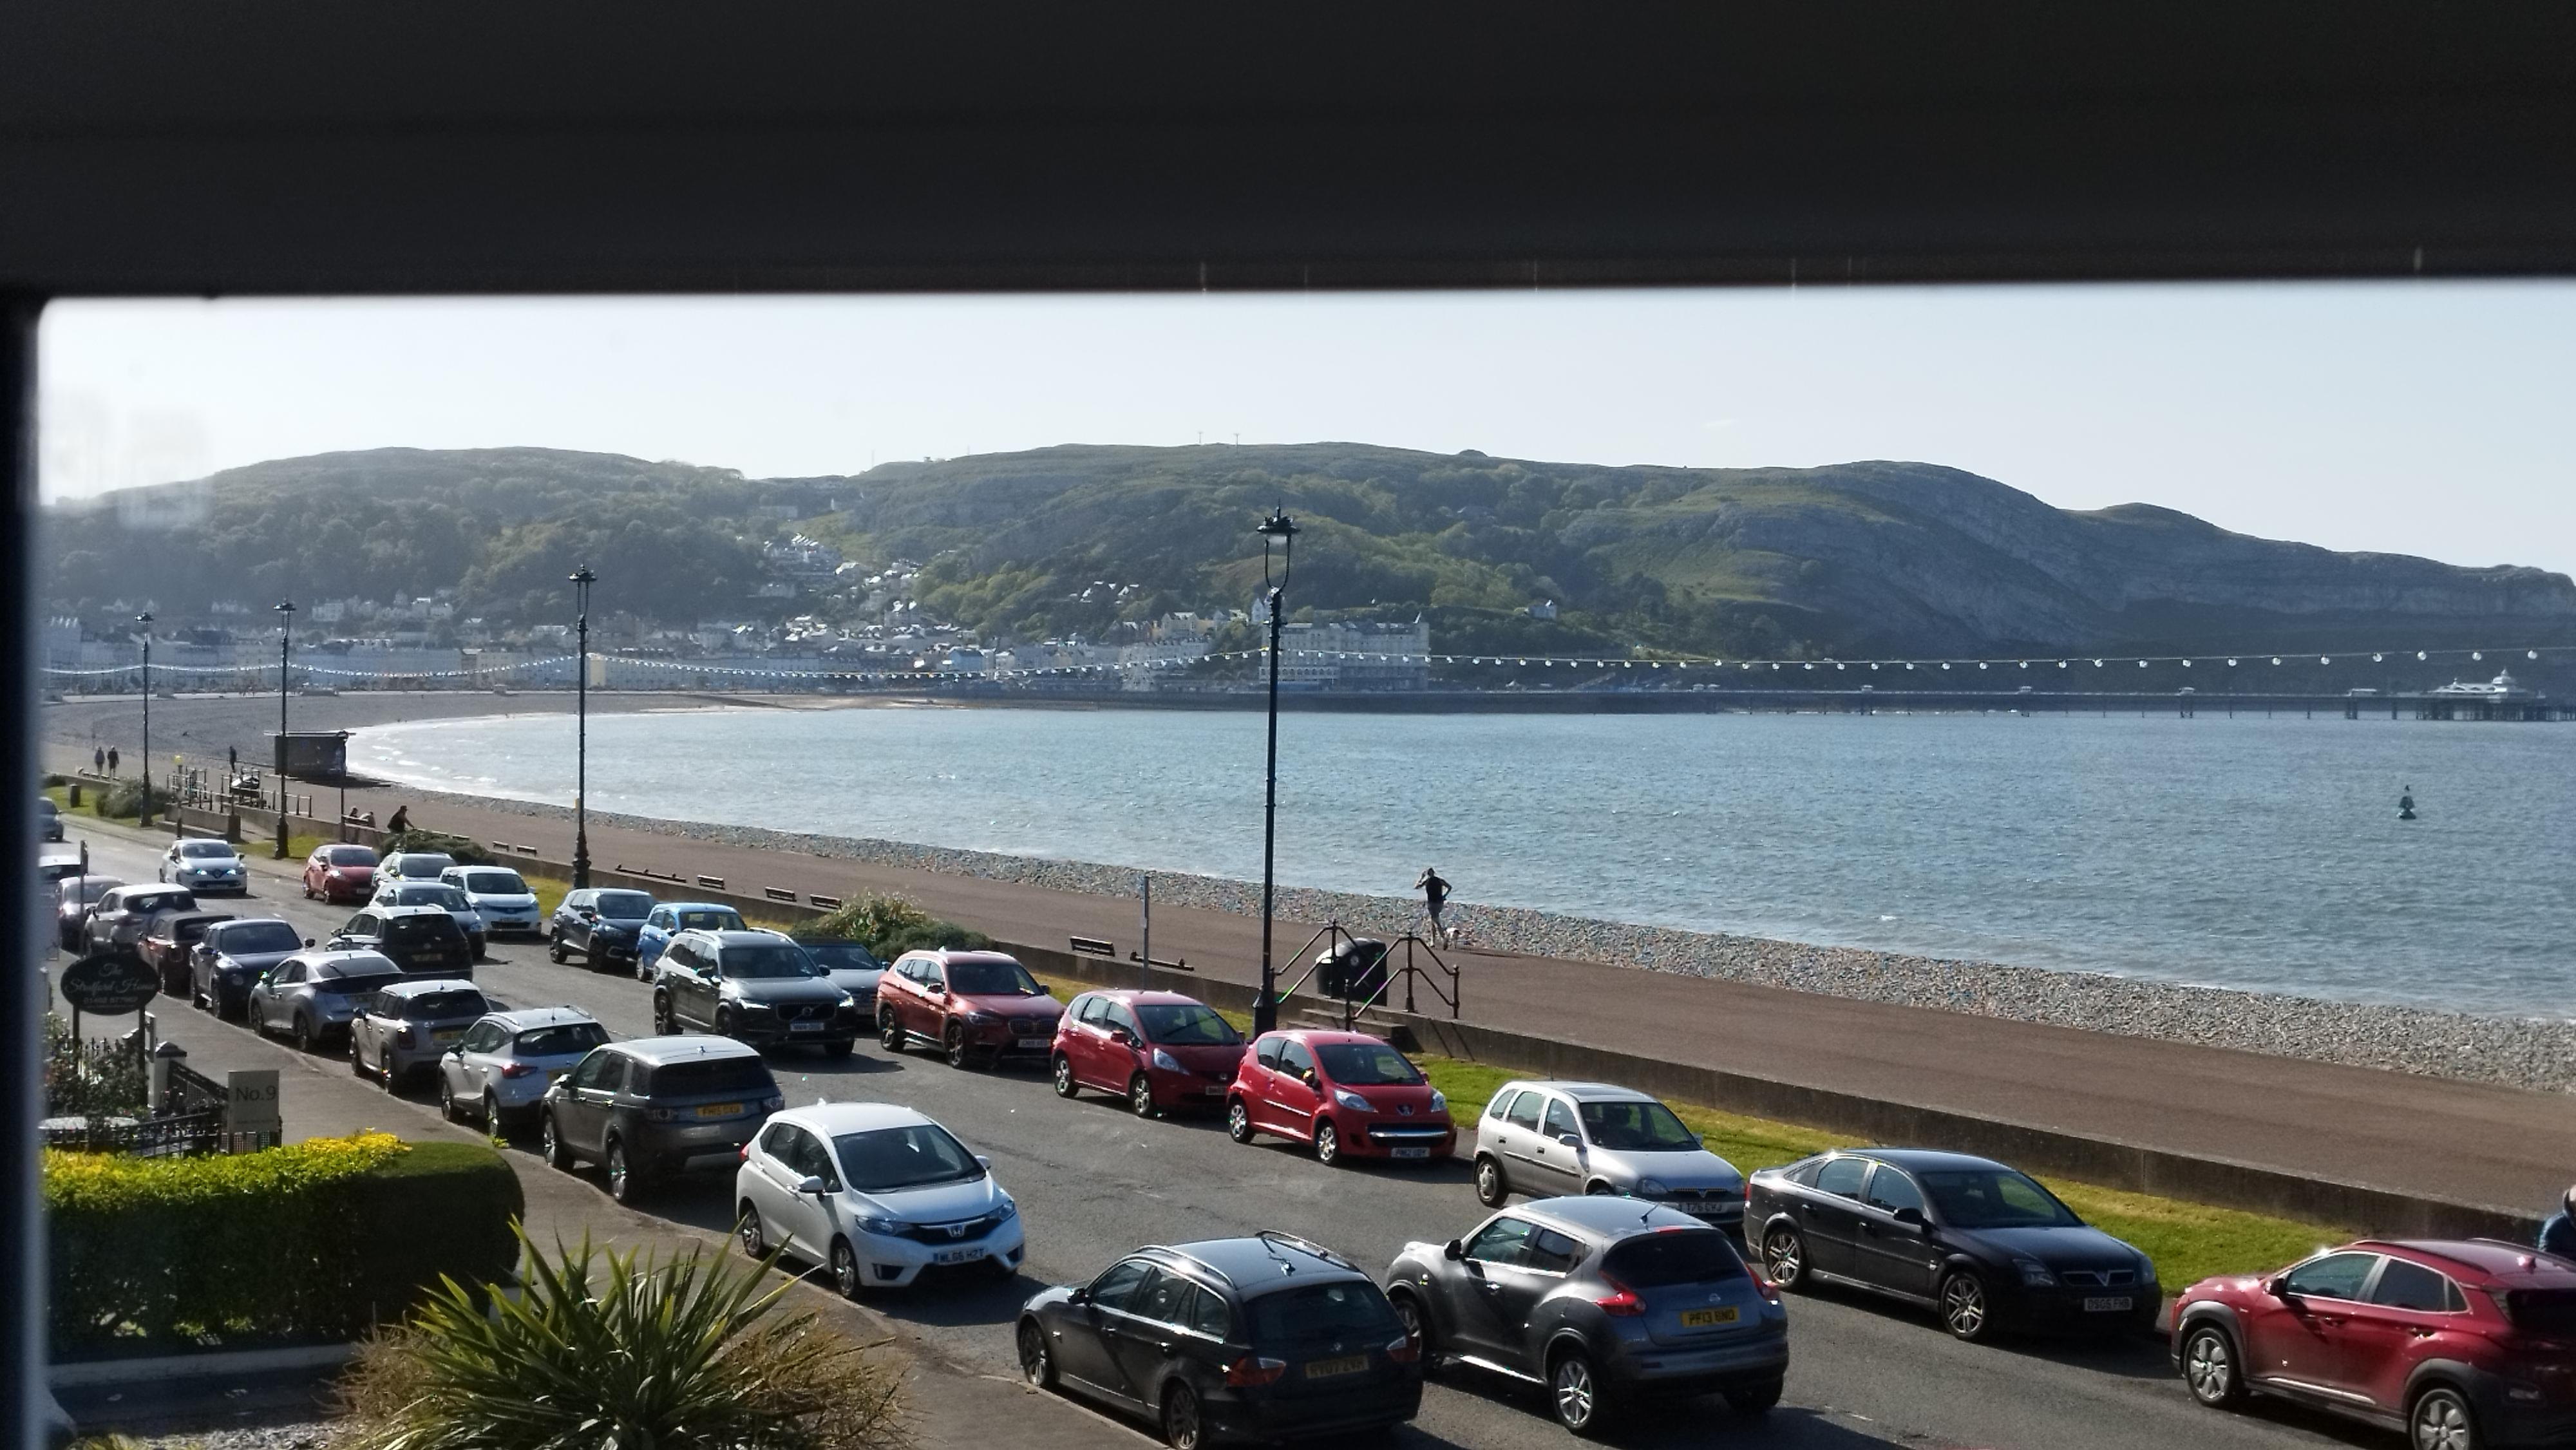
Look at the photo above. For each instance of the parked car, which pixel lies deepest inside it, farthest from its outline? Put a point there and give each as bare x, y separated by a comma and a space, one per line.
393, 891
1345, 1093
117, 923
975, 1007
1602, 1304
752, 986
205, 865
601, 924
2463, 1345
233, 954
653, 1107
1158, 1050
1550, 1138
853, 968
340, 874
500, 896
49, 819
505, 1062
404, 1027
53, 866
667, 918
421, 940
1268, 1338
74, 901
168, 940
1985, 1247
414, 865
874, 1192
311, 995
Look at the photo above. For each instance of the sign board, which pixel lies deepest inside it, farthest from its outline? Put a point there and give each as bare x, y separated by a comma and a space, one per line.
108, 984
250, 1101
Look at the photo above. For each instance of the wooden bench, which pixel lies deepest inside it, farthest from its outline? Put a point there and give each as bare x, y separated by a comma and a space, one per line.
1091, 946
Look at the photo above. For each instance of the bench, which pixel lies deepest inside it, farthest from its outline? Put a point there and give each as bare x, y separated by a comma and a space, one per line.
1174, 965
779, 893
827, 903
712, 883
1091, 946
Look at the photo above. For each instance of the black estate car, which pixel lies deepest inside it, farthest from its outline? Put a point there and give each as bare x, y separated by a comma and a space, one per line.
222, 967
1268, 1337
422, 940
654, 1107
600, 923
1602, 1299
1985, 1246
753, 986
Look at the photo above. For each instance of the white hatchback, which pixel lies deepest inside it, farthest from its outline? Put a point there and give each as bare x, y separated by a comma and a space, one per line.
876, 1193
500, 896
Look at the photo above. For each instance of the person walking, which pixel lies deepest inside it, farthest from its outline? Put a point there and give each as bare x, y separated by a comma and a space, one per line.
1435, 895
98, 760
111, 760
2558, 1234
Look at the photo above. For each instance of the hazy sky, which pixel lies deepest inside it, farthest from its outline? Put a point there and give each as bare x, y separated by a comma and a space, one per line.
2428, 418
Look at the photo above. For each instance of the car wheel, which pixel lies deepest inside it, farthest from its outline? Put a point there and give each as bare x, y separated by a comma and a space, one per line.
953, 1042
1784, 1257
303, 1034
1965, 1310
1037, 1364
723, 1023
2441, 1420
1182, 1429
1238, 1121
1328, 1145
845, 1269
1493, 1190
1755, 1399
643, 970
1419, 1328
890, 1033
491, 1115
2209, 1367
1065, 1086
385, 1069
624, 1183
555, 951
1574, 1391
551, 1143
664, 1023
447, 1099
357, 1059
747, 1228
1140, 1097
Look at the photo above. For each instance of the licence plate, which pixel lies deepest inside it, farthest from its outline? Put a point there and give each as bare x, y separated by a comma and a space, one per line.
2112, 1304
1213, 1091
451, 1034
1703, 1318
1410, 1153
804, 1026
1033, 1044
1324, 1369
957, 1256
719, 1110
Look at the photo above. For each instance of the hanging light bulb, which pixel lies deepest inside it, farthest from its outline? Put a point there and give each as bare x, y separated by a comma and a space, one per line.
2276, 659
2061, 664
2477, 654
1945, 664
2142, 664
2419, 654
2097, 664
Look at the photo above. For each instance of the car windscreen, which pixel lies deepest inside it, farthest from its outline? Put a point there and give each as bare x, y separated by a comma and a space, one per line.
440, 896
884, 1159
1362, 1064
1635, 1128
90, 889
778, 960
352, 985
1185, 1024
444, 1006
1680, 1256
560, 1040
623, 905
746, 1075
425, 865
843, 956
496, 883
348, 856
1993, 1198
204, 848
711, 918
253, 937
992, 979
415, 929
2542, 1311
1350, 1310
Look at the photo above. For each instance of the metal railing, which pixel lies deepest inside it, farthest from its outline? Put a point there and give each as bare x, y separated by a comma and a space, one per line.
1408, 959
182, 1135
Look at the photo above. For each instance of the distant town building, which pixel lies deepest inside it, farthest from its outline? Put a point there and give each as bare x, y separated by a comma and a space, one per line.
1544, 609
1360, 656
2503, 687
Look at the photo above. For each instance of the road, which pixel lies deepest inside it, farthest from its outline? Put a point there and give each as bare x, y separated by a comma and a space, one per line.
1094, 1181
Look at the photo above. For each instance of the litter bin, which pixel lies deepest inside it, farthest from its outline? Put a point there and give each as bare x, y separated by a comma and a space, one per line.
1353, 968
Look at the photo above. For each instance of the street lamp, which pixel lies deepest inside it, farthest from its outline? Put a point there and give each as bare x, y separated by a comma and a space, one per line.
1280, 531
285, 642
582, 579
145, 620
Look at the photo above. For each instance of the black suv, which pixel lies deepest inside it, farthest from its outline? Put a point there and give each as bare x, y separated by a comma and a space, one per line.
1264, 1337
753, 986
422, 940
601, 923
658, 1106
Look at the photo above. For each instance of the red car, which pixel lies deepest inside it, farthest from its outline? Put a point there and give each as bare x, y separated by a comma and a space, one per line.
340, 874
1159, 1050
2464, 1346
972, 1006
1346, 1093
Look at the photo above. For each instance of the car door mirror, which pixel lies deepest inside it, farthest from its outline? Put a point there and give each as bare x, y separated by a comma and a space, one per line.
1911, 1218
1453, 1251
1571, 1140
810, 1184
1079, 1296
1122, 1036
308, 941
1309, 1079
984, 1162
2278, 1286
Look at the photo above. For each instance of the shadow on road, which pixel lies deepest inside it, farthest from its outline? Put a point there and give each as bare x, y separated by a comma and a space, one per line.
1655, 1423
2132, 1357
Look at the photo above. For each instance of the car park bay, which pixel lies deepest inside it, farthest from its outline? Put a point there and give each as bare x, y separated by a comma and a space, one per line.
1093, 1182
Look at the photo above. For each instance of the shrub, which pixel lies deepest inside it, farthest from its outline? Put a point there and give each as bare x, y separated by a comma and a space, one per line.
313, 1241
93, 1079
889, 926
120, 798
688, 1354
466, 850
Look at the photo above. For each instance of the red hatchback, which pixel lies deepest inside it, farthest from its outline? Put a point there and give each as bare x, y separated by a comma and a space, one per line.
1346, 1093
975, 1007
2464, 1346
1159, 1050
340, 874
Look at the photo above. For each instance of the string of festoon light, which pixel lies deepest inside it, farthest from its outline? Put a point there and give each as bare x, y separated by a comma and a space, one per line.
1709, 665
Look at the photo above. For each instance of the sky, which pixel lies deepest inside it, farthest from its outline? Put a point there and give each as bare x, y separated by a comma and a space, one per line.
2428, 418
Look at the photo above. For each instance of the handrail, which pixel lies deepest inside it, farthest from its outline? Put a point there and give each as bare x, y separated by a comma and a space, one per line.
1332, 929
1411, 970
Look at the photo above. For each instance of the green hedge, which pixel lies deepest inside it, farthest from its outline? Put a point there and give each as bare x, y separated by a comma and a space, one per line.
466, 850
889, 926
316, 1241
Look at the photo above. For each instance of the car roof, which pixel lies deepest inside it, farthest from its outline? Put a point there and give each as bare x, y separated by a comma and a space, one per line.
1141, 997
1581, 1091
204, 841
660, 1050
419, 986
520, 1019
1325, 1036
173, 918
1606, 1216
144, 890
698, 906
946, 955
833, 1119
2512, 1264
400, 911
1262, 1262
349, 961
1917, 1160
263, 921
748, 937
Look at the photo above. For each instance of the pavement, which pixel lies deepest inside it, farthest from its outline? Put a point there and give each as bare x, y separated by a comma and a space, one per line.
1094, 1182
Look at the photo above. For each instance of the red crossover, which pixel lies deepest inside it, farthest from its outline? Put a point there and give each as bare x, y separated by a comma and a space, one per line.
1159, 1050
2464, 1346
972, 1006
1344, 1092
340, 873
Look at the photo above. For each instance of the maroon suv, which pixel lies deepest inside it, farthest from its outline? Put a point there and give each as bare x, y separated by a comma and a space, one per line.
1158, 1050
2464, 1346
973, 1006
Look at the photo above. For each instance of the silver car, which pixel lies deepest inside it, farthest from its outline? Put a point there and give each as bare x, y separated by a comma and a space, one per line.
205, 866
1549, 1139
402, 1028
397, 891
500, 896
414, 865
311, 996
500, 1070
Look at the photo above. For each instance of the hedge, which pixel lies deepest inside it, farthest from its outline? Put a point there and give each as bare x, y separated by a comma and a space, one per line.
466, 850
888, 926
313, 1242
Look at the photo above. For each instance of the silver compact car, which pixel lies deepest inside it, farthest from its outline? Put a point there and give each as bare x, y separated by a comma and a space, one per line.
204, 865
876, 1193
1550, 1138
311, 996
407, 1026
500, 896
501, 1069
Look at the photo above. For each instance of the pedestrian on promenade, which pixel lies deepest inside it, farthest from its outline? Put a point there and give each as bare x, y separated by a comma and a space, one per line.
400, 823
98, 760
1435, 894
111, 760
2558, 1235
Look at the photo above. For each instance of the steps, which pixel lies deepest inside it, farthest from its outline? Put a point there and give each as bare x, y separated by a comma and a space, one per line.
1326, 1015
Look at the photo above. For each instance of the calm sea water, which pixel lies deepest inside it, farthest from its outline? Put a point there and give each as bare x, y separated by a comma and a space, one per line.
2248, 852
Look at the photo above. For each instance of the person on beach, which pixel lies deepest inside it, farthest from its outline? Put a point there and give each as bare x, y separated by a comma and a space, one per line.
1435, 894
2558, 1234
400, 823
98, 760
111, 760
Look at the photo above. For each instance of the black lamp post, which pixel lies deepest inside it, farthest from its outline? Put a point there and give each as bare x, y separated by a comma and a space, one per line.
285, 642
1279, 530
145, 620
582, 579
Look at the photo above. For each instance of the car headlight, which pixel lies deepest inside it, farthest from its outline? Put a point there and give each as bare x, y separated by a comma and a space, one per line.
1165, 1061
877, 1223
982, 1019
1352, 1101
2034, 1274
847, 1002
2146, 1269
1439, 1101
1651, 1188
752, 1006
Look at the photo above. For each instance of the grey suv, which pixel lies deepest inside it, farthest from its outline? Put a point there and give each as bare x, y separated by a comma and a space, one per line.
754, 986
657, 1106
312, 995
407, 1027
1549, 1138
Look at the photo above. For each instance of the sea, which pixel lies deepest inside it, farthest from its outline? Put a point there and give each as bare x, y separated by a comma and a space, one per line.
2260, 853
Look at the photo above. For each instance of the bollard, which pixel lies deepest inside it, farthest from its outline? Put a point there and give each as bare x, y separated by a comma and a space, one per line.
162, 1056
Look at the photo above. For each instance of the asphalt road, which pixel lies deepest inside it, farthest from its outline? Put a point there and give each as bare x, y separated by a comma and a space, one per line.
1093, 1182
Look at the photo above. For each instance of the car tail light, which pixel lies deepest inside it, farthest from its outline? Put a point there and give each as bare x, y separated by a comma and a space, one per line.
659, 1115
404, 1037
517, 1070
1251, 1371
1622, 1302
1405, 1350
1769, 1290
